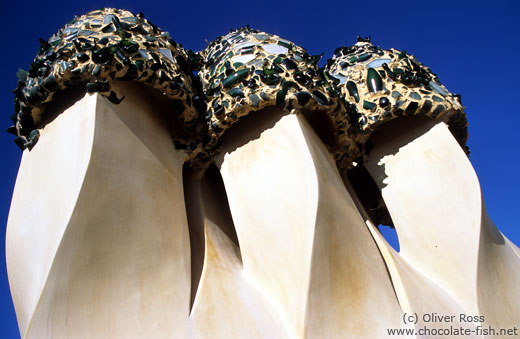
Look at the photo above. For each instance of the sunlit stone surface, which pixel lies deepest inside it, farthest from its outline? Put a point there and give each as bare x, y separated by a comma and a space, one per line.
444, 231
245, 202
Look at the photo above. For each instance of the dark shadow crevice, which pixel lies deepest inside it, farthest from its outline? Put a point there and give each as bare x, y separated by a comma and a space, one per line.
206, 202
61, 101
195, 227
156, 101
400, 131
397, 133
215, 202
322, 125
369, 195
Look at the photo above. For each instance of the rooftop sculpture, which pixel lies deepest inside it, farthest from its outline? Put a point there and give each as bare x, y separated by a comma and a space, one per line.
178, 219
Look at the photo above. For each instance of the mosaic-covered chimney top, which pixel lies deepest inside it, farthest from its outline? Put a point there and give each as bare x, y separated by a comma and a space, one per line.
359, 89
92, 50
385, 84
248, 70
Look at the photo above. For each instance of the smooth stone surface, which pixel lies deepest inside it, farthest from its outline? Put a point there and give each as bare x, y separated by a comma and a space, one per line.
119, 242
284, 190
85, 269
419, 295
444, 232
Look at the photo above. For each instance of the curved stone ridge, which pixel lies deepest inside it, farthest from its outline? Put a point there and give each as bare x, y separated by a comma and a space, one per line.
248, 70
92, 49
385, 84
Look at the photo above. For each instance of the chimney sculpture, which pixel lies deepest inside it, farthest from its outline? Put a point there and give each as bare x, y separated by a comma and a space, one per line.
236, 192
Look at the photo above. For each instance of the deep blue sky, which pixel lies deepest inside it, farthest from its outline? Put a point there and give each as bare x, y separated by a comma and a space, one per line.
473, 48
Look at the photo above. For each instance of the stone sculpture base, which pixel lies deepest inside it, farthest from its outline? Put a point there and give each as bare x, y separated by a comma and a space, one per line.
111, 235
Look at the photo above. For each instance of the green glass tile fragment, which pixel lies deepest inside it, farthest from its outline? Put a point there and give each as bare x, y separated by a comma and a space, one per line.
320, 98
233, 78
280, 99
284, 44
302, 97
412, 107
364, 56
383, 102
427, 106
352, 90
236, 92
368, 105
374, 81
